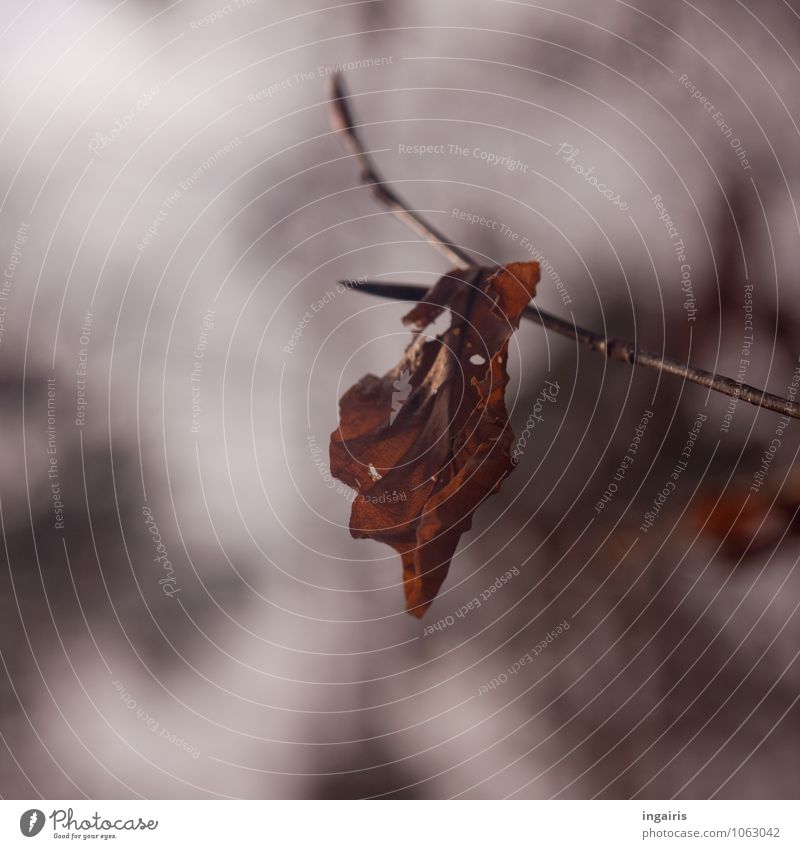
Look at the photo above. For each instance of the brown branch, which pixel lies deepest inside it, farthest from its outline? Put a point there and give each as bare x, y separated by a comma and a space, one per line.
614, 349
343, 124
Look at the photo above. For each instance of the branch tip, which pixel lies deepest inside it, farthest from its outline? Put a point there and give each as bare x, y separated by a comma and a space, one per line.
343, 125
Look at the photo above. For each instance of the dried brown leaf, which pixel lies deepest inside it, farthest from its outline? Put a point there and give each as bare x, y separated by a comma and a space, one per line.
422, 466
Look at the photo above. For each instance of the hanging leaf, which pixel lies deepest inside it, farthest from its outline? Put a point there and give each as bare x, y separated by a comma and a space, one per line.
425, 444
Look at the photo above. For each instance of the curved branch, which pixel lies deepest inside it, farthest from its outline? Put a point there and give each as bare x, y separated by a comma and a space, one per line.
614, 349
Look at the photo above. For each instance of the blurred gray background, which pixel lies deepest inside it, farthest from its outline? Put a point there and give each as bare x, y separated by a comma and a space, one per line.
173, 208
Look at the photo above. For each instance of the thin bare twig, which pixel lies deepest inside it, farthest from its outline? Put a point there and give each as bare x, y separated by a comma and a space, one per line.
614, 349
342, 122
